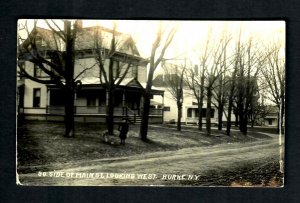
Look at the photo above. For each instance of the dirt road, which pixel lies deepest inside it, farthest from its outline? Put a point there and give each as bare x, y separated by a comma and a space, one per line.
159, 168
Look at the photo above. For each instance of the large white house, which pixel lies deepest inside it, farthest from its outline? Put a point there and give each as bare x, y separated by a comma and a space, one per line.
46, 102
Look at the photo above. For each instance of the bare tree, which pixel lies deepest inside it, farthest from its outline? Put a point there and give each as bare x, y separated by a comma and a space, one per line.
155, 59
174, 83
116, 72
251, 62
60, 67
220, 90
274, 75
213, 71
232, 83
195, 78
195, 81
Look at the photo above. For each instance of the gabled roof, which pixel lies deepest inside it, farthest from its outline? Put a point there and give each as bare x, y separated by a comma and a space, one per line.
90, 80
129, 82
126, 82
86, 39
50, 38
161, 80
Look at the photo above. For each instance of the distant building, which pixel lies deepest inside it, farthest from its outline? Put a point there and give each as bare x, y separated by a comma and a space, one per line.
189, 108
271, 118
46, 102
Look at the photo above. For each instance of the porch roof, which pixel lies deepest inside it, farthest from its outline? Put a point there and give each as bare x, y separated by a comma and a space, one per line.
126, 84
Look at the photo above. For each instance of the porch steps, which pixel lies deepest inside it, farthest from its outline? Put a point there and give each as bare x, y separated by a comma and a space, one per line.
138, 120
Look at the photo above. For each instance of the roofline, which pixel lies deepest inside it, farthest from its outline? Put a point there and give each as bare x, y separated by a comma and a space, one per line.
102, 86
140, 59
25, 43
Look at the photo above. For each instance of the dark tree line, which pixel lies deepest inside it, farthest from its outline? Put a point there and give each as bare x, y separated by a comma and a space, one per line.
60, 68
229, 76
226, 76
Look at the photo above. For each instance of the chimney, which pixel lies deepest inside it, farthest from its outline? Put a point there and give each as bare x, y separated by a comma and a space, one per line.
196, 69
79, 24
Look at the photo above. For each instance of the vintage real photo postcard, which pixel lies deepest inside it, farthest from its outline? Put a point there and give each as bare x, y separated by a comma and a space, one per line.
150, 103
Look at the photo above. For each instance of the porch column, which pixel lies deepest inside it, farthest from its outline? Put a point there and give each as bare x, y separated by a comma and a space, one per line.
141, 104
123, 99
75, 99
48, 100
163, 107
106, 103
124, 111
106, 97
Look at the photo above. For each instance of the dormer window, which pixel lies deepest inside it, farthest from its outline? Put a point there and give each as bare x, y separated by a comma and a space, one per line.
134, 72
40, 41
37, 72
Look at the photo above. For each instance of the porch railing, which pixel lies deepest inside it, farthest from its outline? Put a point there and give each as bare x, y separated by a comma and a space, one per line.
100, 110
156, 112
129, 113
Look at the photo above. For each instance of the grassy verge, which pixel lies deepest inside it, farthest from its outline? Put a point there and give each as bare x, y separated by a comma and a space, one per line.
42, 143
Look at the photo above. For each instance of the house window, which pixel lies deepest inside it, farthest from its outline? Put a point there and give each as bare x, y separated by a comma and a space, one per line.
36, 97
203, 113
37, 72
40, 41
189, 112
91, 101
134, 71
167, 108
212, 113
196, 113
116, 69
270, 121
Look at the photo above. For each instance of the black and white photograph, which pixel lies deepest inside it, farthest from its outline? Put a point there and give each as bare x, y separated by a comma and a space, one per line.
189, 103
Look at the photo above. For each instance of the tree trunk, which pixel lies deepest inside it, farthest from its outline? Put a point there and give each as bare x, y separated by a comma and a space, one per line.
208, 111
179, 115
69, 112
200, 104
228, 126
241, 115
69, 86
236, 114
245, 129
145, 117
230, 103
110, 111
110, 102
220, 115
282, 115
243, 122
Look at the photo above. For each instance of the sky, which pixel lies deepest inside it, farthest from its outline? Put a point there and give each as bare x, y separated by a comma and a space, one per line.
190, 35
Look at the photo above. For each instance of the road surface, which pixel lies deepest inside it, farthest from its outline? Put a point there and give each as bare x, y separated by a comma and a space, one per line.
159, 168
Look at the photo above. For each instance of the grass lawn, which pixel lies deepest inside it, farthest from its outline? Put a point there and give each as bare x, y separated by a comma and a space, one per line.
40, 144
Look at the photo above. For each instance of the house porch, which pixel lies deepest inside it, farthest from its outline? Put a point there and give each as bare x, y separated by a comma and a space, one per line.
91, 104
